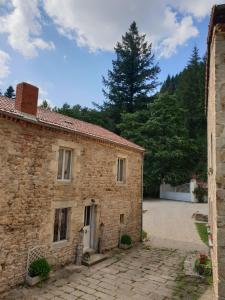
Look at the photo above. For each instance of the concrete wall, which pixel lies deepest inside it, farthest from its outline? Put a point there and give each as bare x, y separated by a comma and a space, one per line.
216, 158
171, 193
30, 192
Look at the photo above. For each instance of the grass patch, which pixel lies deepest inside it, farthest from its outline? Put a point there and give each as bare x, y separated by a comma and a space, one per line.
202, 231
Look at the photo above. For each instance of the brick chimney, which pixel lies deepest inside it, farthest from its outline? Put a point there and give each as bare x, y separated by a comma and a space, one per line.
26, 98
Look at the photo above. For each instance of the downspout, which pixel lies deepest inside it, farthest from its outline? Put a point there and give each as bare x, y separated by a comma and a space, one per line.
142, 175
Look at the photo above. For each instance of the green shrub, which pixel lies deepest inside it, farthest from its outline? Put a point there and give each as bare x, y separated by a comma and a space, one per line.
200, 193
126, 239
144, 235
40, 267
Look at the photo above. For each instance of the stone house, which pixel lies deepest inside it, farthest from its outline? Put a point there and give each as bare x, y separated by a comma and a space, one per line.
60, 175
215, 103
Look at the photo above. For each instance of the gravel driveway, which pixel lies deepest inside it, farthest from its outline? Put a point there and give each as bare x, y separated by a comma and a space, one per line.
170, 224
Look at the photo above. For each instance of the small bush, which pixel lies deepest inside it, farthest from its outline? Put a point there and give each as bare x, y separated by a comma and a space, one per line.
40, 267
200, 193
126, 239
144, 235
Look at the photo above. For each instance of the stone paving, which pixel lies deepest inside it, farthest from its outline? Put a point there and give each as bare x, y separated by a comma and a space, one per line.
138, 273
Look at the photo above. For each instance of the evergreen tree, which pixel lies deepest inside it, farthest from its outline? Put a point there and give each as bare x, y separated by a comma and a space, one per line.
191, 92
45, 105
170, 84
10, 93
90, 115
161, 130
133, 78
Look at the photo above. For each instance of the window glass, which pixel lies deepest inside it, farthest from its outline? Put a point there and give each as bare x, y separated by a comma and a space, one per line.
63, 229
60, 164
64, 164
87, 215
67, 164
60, 224
56, 225
121, 170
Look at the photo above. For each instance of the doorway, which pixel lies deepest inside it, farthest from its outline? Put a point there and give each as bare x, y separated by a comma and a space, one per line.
89, 227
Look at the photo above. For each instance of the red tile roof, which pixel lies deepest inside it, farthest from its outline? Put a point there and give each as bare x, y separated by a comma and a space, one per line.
50, 118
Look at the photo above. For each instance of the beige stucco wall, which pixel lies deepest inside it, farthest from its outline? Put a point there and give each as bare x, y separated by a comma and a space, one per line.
29, 193
216, 159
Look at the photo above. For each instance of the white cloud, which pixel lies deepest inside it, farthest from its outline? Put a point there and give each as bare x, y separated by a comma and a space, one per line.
4, 65
198, 8
184, 30
22, 24
99, 24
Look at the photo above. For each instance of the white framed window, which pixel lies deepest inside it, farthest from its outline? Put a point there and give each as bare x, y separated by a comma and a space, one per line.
61, 221
64, 164
121, 170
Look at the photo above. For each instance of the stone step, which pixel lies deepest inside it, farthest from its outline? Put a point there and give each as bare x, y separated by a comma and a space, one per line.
89, 250
94, 259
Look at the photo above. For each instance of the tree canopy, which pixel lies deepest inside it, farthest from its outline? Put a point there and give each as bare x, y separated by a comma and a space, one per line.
133, 77
10, 93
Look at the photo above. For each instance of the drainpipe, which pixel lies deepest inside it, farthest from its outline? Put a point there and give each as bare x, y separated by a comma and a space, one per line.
142, 164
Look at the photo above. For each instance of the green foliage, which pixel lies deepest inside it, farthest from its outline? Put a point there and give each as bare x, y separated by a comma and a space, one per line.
126, 239
91, 115
10, 93
144, 235
203, 265
40, 267
161, 130
200, 192
133, 77
203, 233
45, 105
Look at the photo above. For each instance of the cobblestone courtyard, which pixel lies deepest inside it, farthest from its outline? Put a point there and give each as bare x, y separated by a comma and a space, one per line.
139, 273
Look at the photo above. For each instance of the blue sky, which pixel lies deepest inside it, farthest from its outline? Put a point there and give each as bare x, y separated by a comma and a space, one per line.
66, 51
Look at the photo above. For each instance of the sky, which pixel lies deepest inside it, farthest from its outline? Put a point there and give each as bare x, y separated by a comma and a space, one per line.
65, 47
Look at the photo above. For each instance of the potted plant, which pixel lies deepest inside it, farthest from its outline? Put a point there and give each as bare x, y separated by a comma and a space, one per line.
38, 271
125, 241
203, 265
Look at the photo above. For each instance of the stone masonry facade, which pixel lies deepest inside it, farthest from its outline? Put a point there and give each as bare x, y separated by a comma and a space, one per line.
30, 193
216, 146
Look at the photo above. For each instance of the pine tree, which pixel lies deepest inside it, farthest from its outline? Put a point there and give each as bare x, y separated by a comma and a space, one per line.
45, 105
133, 77
190, 91
10, 93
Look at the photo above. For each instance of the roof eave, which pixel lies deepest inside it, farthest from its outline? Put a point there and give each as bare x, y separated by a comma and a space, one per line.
216, 10
57, 127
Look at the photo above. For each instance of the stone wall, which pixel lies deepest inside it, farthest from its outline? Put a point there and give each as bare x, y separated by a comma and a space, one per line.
30, 192
216, 158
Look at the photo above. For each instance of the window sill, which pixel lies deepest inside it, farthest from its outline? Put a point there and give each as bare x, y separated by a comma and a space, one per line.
60, 244
121, 183
64, 181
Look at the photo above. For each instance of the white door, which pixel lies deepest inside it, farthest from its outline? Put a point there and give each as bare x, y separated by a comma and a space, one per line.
87, 227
